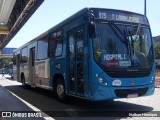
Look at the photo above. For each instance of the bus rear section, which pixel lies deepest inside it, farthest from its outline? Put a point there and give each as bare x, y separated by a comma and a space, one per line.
122, 58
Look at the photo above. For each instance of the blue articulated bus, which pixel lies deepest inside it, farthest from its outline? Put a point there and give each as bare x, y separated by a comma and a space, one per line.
96, 54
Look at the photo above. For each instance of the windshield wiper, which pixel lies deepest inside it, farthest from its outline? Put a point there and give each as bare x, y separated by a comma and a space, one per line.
112, 26
132, 41
137, 31
123, 36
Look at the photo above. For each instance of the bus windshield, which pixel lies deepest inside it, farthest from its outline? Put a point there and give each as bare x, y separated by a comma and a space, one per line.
123, 46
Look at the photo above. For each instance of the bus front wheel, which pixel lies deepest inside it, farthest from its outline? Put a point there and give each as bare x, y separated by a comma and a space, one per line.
60, 90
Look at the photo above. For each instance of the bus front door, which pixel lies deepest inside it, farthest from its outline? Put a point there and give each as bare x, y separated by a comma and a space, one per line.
76, 58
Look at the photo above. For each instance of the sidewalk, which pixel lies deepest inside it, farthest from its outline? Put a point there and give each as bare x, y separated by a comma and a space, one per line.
6, 76
10, 104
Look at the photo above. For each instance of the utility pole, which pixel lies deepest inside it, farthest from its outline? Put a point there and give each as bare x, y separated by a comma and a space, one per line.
145, 9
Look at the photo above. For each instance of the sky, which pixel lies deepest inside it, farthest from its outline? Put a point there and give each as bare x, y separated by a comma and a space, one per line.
52, 12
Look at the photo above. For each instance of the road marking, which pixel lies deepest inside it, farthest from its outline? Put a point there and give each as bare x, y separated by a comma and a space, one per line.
71, 112
47, 117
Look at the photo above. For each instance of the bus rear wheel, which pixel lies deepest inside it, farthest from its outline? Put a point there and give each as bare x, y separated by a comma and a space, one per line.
60, 90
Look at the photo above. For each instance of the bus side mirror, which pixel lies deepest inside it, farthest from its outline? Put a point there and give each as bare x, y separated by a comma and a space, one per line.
91, 28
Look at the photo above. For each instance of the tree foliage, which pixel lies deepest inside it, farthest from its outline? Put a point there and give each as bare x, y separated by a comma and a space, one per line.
157, 49
5, 62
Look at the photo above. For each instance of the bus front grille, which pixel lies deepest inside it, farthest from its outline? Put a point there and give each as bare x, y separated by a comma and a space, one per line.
128, 74
123, 93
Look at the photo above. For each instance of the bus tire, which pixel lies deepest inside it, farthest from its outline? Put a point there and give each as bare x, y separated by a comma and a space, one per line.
59, 90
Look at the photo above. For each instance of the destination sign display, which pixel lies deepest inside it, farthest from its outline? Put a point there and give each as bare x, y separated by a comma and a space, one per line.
118, 15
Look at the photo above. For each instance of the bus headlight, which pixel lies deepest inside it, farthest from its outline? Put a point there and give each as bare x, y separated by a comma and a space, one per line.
102, 81
153, 78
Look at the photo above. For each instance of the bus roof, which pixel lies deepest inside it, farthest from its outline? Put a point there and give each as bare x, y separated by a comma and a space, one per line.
99, 13
118, 15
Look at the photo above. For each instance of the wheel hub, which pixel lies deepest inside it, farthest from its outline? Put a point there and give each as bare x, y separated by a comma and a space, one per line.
60, 90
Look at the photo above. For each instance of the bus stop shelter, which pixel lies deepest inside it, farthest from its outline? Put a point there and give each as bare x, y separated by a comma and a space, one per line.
13, 15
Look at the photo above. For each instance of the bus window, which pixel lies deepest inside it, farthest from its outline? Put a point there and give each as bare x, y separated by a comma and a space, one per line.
80, 47
42, 52
56, 47
72, 61
24, 55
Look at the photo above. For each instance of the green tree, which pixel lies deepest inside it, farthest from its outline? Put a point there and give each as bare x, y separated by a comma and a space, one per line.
157, 50
5, 62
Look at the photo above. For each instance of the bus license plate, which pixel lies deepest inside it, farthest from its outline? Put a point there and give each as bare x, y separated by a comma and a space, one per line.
134, 95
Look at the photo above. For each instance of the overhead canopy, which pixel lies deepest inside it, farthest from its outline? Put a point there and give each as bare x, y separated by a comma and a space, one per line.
13, 15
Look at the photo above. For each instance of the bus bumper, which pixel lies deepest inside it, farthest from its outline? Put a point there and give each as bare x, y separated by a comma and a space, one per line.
99, 92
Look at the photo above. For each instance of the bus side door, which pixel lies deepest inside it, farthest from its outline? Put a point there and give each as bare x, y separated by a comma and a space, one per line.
17, 76
32, 66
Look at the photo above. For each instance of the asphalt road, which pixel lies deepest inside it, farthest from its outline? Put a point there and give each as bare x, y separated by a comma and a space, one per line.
117, 109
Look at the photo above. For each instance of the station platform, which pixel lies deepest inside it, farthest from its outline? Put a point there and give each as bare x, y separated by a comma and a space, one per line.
8, 102
12, 108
